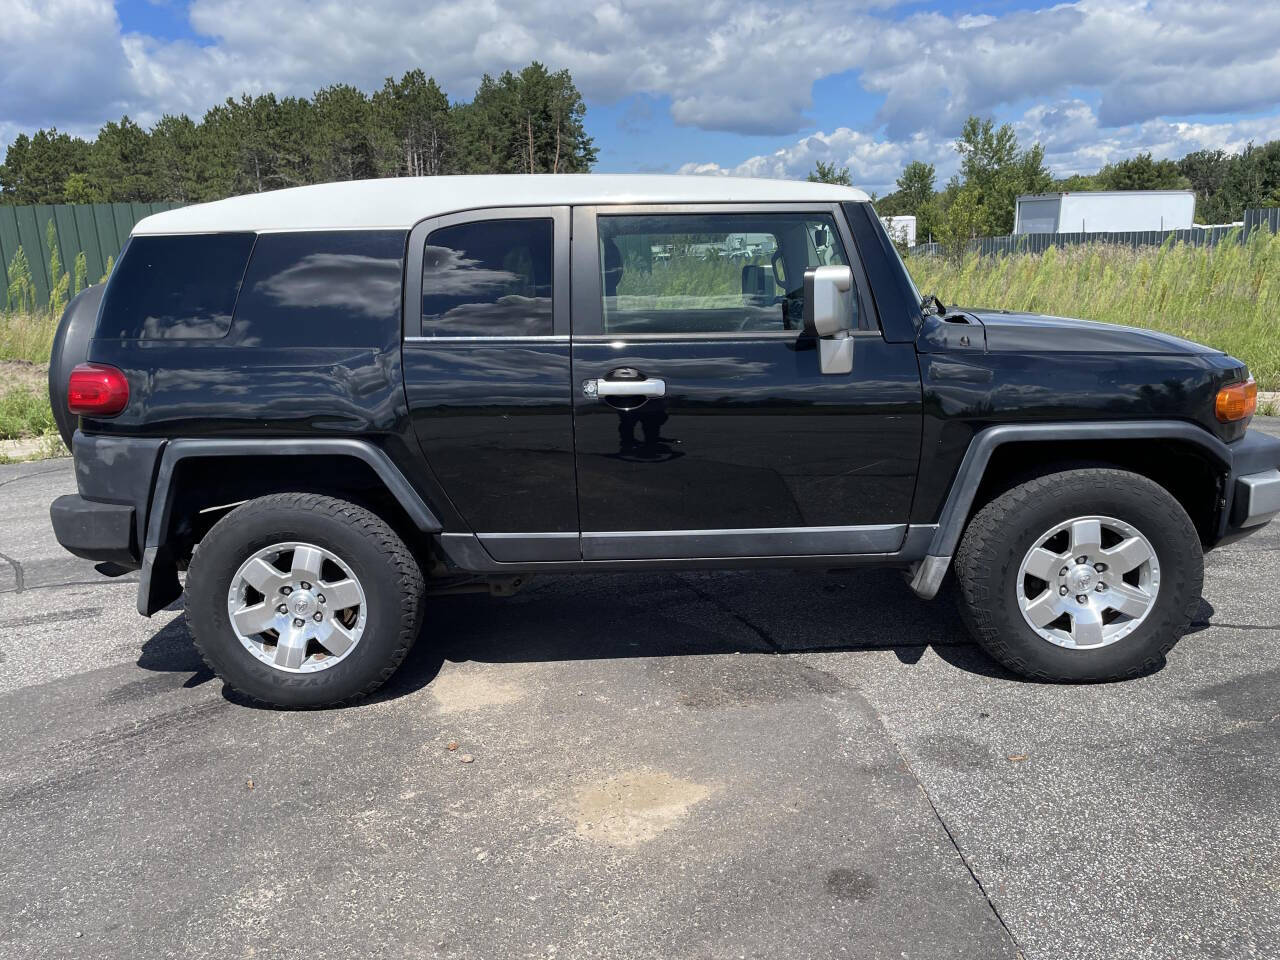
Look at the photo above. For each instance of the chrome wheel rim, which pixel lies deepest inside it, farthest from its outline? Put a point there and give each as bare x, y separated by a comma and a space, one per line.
1088, 582
297, 607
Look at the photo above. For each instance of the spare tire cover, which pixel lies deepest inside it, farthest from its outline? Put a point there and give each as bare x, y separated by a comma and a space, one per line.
71, 347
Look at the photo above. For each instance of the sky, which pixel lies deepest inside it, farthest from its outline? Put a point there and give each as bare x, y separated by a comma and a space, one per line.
751, 87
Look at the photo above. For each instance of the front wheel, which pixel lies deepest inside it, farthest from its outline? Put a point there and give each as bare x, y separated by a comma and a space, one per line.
301, 600
1080, 575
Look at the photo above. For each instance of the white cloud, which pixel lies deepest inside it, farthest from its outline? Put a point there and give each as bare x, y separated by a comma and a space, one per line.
1070, 131
61, 62
873, 163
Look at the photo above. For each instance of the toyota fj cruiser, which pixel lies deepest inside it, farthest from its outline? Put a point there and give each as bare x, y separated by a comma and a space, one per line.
323, 403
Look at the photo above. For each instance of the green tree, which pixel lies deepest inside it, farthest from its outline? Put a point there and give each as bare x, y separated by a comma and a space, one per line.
830, 173
1206, 172
412, 127
530, 122
1142, 173
80, 189
255, 144
1077, 183
342, 141
120, 163
36, 168
177, 160
994, 172
1252, 180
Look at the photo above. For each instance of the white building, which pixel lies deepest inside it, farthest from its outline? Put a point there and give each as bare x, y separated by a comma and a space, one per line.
1105, 211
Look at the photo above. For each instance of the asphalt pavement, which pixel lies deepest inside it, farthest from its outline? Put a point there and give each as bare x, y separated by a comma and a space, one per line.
704, 765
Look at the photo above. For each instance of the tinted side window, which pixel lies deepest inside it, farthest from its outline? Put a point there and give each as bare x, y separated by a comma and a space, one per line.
712, 273
175, 287
490, 278
321, 288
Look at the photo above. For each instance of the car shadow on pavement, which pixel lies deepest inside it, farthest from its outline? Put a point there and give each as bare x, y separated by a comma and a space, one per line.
604, 617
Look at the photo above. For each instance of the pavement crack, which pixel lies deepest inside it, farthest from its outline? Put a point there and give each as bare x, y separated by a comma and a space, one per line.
30, 476
906, 764
723, 607
104, 582
17, 574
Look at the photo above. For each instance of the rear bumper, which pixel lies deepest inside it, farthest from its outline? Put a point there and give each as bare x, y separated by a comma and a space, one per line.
106, 519
96, 531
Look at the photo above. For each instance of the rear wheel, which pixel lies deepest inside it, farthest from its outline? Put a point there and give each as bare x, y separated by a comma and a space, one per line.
1080, 575
302, 600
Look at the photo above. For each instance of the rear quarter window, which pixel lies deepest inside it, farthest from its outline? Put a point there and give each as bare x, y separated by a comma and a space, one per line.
323, 288
175, 288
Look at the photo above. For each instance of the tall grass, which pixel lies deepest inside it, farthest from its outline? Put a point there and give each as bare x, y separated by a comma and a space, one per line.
1226, 296
27, 336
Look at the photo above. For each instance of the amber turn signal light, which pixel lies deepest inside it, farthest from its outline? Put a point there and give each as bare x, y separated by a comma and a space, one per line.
1237, 401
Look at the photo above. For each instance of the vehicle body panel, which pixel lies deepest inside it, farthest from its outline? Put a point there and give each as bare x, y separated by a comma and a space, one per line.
753, 458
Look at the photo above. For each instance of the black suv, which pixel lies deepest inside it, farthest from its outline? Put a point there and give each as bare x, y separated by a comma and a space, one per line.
325, 403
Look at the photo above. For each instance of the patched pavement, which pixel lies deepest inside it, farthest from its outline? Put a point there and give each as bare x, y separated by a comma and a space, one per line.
707, 765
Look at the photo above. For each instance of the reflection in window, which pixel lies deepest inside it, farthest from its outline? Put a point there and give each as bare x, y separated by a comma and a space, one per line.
175, 288
488, 279
711, 273
325, 287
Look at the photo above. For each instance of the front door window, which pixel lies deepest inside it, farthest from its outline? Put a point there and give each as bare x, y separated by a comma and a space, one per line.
711, 273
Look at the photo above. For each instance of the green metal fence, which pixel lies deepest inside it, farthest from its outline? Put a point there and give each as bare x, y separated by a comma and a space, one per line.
98, 230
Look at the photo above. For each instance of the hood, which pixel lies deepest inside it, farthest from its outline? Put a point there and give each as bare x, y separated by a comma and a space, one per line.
1008, 332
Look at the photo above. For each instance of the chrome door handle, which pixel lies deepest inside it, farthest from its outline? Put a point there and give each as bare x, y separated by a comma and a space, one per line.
647, 388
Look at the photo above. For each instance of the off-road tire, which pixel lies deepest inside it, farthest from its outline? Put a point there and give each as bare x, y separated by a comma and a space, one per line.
1001, 533
384, 566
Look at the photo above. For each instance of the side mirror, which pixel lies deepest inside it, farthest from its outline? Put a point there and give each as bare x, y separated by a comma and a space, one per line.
828, 314
828, 300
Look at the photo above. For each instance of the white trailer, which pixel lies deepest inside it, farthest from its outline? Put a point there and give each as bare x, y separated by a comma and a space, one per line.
901, 229
1105, 211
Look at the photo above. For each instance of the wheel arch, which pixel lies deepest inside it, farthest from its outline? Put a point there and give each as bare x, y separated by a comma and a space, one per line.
1002, 456
187, 491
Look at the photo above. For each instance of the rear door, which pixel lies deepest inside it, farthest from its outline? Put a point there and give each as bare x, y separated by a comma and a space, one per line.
704, 426
486, 370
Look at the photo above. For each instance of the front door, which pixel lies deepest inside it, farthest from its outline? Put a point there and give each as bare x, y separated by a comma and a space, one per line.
703, 424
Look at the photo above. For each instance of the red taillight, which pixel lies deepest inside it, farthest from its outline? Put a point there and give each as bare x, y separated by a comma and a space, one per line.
97, 390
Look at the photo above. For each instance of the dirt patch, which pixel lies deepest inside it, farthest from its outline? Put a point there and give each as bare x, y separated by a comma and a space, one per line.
635, 807
458, 692
24, 374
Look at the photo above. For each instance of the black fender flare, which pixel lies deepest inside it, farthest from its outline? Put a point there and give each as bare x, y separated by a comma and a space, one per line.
70, 348
928, 575
158, 584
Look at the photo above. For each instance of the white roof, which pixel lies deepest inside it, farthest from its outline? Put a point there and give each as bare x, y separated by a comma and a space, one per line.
1107, 193
399, 203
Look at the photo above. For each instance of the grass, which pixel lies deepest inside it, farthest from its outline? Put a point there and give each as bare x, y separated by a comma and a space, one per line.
25, 342
26, 337
24, 413
1226, 297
